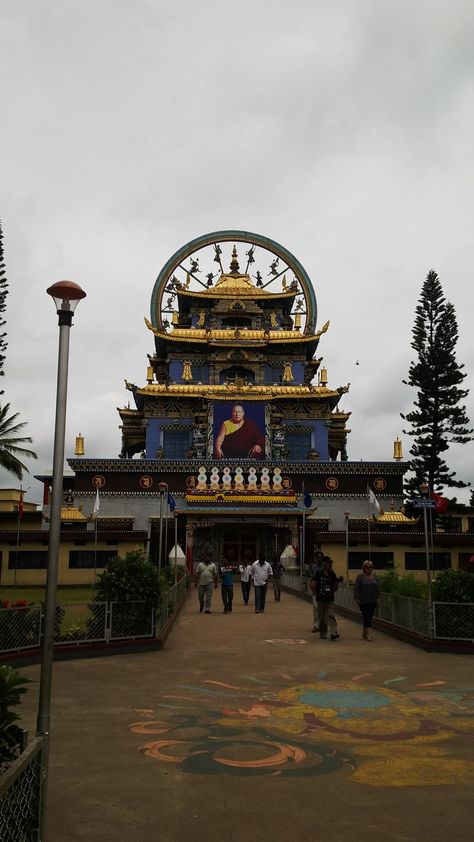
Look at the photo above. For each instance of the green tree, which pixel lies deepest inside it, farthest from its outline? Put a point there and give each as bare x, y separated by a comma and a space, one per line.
12, 686
129, 578
437, 420
11, 444
3, 296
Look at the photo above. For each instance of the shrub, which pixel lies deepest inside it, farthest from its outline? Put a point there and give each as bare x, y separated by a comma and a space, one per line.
11, 688
131, 578
453, 586
409, 585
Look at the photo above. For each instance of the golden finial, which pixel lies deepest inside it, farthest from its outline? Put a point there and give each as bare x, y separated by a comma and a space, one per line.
323, 377
79, 451
287, 373
150, 374
188, 280
283, 282
234, 263
397, 449
175, 318
298, 321
187, 371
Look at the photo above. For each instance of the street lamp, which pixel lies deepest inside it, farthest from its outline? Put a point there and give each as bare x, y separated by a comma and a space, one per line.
424, 489
66, 296
162, 490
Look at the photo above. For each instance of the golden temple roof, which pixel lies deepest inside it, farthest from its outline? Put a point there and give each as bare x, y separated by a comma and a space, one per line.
230, 390
396, 518
233, 335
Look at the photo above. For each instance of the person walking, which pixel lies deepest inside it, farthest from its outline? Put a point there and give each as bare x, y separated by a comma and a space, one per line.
324, 586
205, 578
245, 570
366, 594
261, 574
227, 585
315, 567
278, 570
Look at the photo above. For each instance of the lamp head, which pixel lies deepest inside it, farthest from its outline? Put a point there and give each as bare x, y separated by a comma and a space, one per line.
66, 295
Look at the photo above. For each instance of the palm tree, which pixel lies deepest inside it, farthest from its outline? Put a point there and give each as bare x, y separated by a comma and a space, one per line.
11, 443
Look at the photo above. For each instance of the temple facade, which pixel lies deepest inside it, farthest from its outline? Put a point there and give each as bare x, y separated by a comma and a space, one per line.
236, 439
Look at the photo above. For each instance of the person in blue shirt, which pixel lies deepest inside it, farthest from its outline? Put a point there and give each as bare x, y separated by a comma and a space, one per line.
227, 585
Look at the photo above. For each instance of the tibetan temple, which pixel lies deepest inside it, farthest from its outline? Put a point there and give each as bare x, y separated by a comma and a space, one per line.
236, 438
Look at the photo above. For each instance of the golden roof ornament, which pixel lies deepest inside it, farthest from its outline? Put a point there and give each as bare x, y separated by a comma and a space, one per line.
79, 450
397, 449
187, 370
234, 263
287, 373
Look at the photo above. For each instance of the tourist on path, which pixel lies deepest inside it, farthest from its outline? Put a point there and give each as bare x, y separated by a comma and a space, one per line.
227, 585
261, 574
315, 567
245, 570
366, 594
278, 570
324, 586
205, 578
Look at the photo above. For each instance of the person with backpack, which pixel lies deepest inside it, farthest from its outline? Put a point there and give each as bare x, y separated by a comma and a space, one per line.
324, 585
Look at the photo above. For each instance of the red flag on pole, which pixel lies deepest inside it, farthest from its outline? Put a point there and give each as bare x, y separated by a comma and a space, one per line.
441, 503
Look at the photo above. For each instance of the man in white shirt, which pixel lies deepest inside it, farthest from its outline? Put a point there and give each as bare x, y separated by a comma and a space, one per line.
245, 570
204, 578
261, 574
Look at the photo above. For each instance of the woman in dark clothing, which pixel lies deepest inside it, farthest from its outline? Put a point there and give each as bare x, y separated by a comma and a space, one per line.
366, 593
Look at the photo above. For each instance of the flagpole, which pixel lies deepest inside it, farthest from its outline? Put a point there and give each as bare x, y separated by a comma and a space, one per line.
368, 523
175, 547
20, 506
95, 551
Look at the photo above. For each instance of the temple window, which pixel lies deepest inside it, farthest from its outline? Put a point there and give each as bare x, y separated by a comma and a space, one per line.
298, 446
80, 559
176, 443
28, 560
237, 372
417, 561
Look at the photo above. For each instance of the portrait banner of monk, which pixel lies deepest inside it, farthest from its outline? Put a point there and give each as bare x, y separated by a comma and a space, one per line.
239, 430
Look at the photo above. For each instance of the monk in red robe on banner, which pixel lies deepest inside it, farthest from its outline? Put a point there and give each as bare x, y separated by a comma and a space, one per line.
239, 437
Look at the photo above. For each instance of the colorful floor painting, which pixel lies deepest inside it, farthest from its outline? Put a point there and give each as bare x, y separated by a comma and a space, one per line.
372, 735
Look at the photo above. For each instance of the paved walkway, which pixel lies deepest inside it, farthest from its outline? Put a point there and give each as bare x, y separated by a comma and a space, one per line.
248, 727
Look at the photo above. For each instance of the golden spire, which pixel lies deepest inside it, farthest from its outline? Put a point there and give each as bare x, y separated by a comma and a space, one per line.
234, 263
187, 371
287, 373
79, 451
323, 377
150, 374
297, 321
397, 449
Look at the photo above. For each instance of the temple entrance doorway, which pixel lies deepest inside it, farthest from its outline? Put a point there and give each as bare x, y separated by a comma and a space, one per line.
235, 541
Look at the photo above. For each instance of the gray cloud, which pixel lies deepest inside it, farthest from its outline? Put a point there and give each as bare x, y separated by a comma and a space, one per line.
342, 130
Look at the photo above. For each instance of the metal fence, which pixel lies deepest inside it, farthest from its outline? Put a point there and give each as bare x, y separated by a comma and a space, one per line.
20, 796
20, 629
450, 620
453, 620
89, 622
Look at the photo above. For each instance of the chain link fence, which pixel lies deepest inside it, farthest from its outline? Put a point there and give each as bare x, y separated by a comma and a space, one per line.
89, 622
20, 796
20, 628
453, 620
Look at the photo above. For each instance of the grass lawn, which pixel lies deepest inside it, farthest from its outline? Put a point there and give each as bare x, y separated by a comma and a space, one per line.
79, 594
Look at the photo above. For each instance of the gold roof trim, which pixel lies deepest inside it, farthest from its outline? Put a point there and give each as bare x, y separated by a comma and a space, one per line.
228, 392
231, 335
231, 292
72, 513
221, 497
396, 517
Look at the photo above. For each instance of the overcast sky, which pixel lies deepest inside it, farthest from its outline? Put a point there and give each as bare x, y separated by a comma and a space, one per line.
343, 129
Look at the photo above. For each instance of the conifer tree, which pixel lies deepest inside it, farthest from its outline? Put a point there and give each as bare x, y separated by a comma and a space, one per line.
437, 420
3, 296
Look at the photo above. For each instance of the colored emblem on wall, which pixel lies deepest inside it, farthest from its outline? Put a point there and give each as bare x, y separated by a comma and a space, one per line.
146, 481
332, 483
380, 484
98, 481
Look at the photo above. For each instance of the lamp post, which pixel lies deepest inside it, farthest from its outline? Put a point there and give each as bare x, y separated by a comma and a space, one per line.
424, 489
162, 490
66, 296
